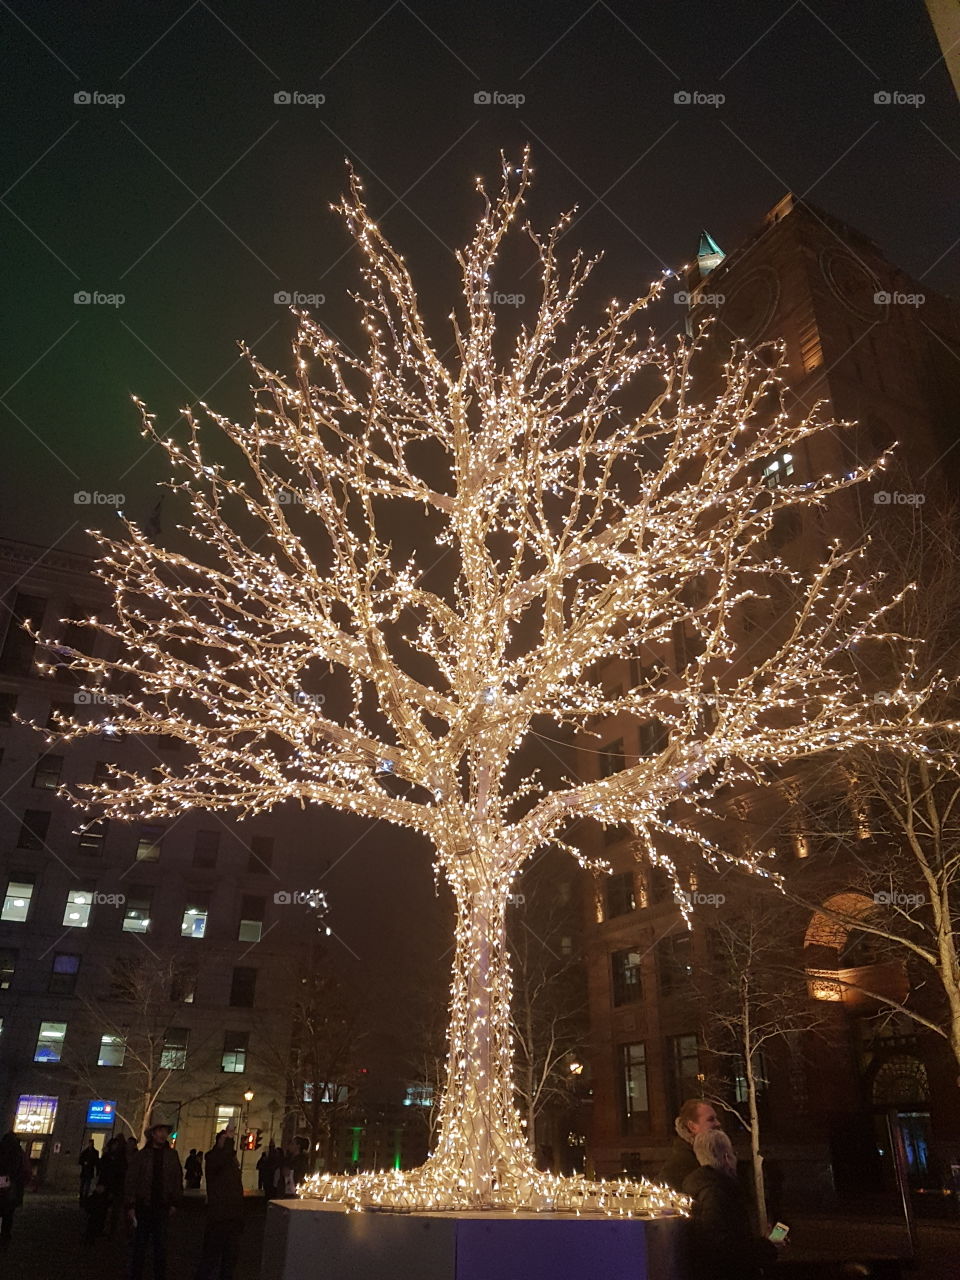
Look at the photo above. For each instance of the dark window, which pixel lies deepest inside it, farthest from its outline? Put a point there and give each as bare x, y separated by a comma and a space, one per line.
33, 829
620, 894
46, 775
149, 843
627, 978
101, 773
653, 737
614, 832
183, 986
16, 656
8, 704
8, 967
234, 1056
261, 853
611, 759
242, 988
173, 1055
75, 639
251, 918
675, 962
63, 973
205, 849
683, 1070
93, 836
634, 1100
659, 885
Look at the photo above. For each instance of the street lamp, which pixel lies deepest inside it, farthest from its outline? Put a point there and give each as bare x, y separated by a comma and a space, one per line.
248, 1098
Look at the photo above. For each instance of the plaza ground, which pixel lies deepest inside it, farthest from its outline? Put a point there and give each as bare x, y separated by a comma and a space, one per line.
47, 1245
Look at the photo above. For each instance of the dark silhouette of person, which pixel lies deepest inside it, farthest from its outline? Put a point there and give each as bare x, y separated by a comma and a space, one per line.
153, 1189
89, 1163
193, 1169
14, 1171
724, 1244
224, 1225
112, 1175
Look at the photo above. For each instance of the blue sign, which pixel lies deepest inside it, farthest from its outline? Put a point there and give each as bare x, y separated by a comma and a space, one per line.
101, 1112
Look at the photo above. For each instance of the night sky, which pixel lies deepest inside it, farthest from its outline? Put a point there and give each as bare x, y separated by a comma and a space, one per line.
199, 197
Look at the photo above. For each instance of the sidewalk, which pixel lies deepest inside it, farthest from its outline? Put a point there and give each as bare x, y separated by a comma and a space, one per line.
819, 1240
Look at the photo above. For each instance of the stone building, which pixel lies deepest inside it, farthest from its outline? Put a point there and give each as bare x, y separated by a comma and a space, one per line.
144, 967
876, 347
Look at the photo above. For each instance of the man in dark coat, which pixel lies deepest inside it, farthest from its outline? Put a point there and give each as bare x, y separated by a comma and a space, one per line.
221, 1236
153, 1189
13, 1177
725, 1245
696, 1116
89, 1163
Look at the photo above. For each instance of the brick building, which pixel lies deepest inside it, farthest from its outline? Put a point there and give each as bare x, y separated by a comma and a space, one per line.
876, 347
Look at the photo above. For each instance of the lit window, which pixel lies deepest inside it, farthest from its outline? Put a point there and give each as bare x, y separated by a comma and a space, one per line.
417, 1095
148, 845
136, 914
16, 902
8, 967
35, 1114
76, 914
173, 1056
33, 829
63, 973
50, 1042
234, 1051
227, 1118
778, 471
112, 1050
251, 919
194, 920
46, 776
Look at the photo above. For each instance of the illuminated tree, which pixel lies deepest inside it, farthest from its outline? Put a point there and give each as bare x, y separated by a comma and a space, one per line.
584, 504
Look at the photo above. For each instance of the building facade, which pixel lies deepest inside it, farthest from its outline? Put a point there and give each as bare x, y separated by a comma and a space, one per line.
146, 969
871, 346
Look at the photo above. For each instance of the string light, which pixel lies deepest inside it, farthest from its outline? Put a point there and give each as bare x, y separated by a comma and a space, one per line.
578, 530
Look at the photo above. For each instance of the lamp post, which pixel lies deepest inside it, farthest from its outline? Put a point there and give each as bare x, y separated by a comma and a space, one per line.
248, 1098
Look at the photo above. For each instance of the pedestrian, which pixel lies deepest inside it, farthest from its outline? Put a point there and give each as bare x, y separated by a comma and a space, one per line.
724, 1244
224, 1225
13, 1177
271, 1171
89, 1163
95, 1206
112, 1175
193, 1169
153, 1189
695, 1116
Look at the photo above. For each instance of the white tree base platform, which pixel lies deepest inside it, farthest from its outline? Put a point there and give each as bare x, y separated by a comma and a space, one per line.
305, 1239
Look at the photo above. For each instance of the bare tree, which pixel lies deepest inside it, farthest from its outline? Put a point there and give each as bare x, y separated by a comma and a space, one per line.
755, 1005
585, 503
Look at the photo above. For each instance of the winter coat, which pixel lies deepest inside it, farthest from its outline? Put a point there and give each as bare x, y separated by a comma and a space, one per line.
224, 1185
724, 1245
138, 1187
679, 1164
13, 1168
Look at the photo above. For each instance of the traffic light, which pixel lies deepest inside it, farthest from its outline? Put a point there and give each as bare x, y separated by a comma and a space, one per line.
259, 1139
249, 1140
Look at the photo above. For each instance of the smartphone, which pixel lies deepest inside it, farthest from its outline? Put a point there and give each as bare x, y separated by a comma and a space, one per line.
778, 1232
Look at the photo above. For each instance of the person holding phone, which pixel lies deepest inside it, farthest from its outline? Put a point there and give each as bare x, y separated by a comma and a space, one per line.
724, 1245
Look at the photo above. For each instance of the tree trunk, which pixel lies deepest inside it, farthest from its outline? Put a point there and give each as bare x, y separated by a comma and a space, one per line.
759, 1182
481, 1141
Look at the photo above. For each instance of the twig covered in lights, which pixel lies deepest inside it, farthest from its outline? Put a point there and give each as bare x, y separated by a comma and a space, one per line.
584, 503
